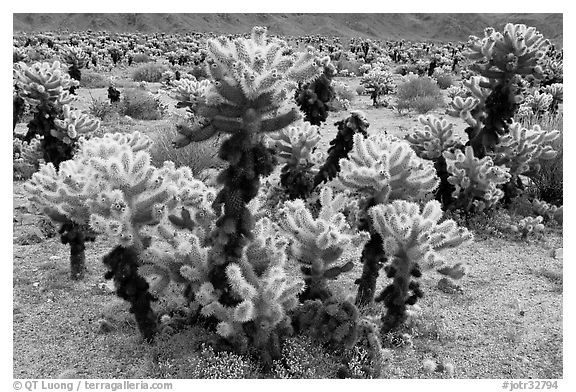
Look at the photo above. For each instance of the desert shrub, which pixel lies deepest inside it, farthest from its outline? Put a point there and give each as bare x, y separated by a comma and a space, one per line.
102, 109
197, 156
94, 80
352, 66
139, 105
443, 78
421, 94
343, 91
150, 72
140, 58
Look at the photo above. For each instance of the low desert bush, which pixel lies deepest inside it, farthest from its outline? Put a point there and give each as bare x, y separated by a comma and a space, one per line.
102, 109
140, 58
140, 105
421, 94
197, 156
92, 79
150, 72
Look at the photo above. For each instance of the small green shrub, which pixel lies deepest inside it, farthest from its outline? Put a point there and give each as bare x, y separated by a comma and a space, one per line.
94, 80
139, 105
198, 156
150, 72
102, 109
421, 94
444, 79
140, 58
343, 91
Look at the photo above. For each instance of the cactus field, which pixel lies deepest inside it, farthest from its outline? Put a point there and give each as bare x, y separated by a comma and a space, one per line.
205, 205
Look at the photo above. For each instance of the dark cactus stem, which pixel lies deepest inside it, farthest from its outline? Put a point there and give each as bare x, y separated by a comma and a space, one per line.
76, 236
248, 161
130, 286
400, 293
500, 108
372, 259
75, 74
445, 189
113, 94
341, 146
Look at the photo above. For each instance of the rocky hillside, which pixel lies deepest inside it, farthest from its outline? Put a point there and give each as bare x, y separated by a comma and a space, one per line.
453, 27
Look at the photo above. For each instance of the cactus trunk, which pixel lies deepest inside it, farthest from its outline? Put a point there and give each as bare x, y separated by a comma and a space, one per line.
372, 259
130, 286
77, 259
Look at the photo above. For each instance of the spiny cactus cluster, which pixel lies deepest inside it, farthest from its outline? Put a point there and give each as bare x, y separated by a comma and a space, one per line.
475, 180
378, 83
249, 97
73, 124
436, 137
341, 145
45, 86
318, 243
264, 292
386, 169
411, 238
528, 225
294, 146
500, 57
523, 149
382, 169
27, 157
189, 92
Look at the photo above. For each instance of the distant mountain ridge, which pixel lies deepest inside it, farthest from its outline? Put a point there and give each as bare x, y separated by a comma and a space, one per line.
444, 27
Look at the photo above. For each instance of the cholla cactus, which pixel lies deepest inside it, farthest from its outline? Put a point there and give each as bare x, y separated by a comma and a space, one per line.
436, 137
500, 58
382, 169
74, 124
386, 169
62, 196
556, 90
516, 51
75, 56
45, 86
44, 83
456, 91
523, 149
546, 210
250, 96
251, 85
318, 243
341, 145
265, 292
411, 238
294, 147
313, 97
27, 157
528, 225
189, 92
475, 180
538, 103
378, 82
